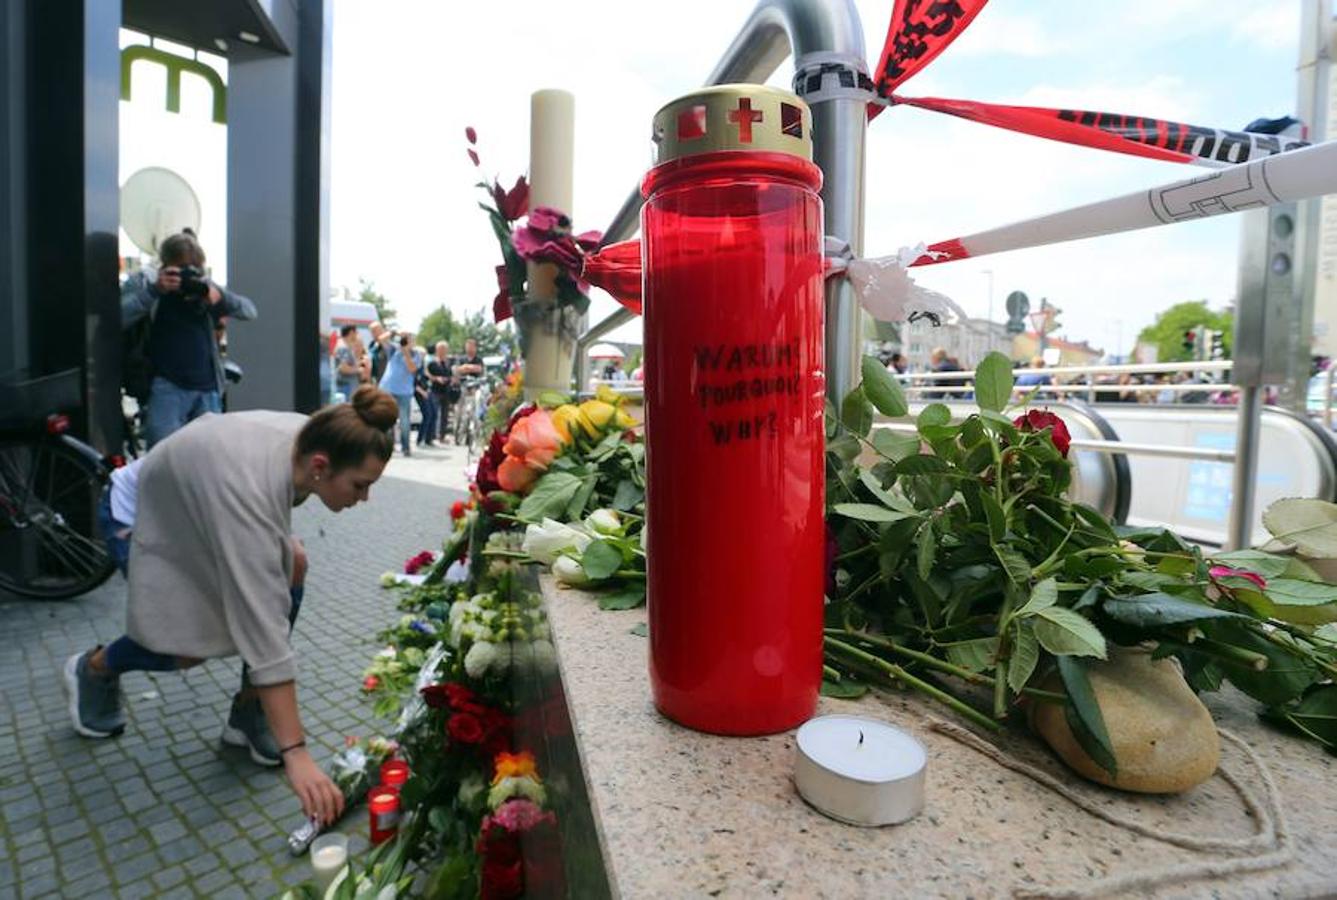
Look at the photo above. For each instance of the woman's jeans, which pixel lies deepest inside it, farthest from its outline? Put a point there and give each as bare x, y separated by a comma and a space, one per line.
427, 427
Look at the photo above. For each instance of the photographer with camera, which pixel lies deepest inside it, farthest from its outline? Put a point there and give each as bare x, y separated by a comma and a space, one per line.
180, 307
401, 372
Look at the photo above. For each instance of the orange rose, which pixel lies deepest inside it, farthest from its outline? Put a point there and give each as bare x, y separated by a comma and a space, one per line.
514, 476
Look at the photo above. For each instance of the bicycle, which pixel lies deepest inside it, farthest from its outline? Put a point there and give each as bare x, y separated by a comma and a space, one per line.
469, 411
51, 547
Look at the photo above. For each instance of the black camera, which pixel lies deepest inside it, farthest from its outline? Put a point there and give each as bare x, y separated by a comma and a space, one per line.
403, 340
194, 286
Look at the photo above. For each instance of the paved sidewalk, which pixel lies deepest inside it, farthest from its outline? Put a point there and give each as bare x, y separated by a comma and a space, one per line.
165, 810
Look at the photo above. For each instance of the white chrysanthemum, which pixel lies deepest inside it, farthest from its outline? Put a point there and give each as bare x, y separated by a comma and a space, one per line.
545, 541
481, 657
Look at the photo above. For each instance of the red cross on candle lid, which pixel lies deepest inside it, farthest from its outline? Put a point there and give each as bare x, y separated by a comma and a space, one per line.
747, 117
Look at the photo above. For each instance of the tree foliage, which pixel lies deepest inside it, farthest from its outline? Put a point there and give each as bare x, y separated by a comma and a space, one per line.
1167, 332
441, 324
367, 293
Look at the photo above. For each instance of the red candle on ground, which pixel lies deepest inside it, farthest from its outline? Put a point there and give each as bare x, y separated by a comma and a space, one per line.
384, 808
394, 772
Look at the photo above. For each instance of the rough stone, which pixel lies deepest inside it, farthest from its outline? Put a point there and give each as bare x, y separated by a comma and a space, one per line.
1164, 739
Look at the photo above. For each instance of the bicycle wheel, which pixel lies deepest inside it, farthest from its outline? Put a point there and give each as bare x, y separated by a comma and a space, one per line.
50, 544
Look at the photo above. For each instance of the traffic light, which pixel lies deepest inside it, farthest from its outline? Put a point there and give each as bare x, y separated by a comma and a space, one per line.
1216, 345
1190, 339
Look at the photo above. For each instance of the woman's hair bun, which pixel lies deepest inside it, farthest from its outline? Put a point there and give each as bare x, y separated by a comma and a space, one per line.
375, 407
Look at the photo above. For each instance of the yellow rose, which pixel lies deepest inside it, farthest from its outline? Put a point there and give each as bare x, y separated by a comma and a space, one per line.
608, 395
599, 415
562, 419
624, 420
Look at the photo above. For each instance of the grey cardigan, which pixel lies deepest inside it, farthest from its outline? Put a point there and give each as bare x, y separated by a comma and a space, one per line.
139, 297
211, 555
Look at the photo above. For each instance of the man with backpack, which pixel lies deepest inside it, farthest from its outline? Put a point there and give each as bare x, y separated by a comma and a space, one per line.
171, 352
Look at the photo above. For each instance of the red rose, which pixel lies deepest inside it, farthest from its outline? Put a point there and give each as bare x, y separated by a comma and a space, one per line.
487, 465
457, 509
464, 728
436, 696
370, 683
1039, 420
463, 700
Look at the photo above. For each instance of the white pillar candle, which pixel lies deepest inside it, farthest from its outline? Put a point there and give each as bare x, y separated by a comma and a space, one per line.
860, 771
552, 148
329, 853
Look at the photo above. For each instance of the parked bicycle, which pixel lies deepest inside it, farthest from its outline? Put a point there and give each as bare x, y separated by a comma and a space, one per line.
50, 484
469, 412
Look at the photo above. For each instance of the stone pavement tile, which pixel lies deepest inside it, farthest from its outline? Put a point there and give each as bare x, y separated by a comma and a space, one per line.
70, 830
94, 884
203, 863
169, 877
129, 869
137, 890
38, 885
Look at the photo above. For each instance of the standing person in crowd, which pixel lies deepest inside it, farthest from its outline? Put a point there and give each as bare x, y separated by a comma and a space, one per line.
939, 361
352, 367
896, 365
444, 394
183, 306
398, 380
217, 572
470, 363
426, 400
377, 353
1035, 379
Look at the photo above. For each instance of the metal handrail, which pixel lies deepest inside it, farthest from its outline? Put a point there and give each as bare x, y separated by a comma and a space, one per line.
1216, 365
774, 30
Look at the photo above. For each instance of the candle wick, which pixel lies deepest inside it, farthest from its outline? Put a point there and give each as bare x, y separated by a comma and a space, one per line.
860, 737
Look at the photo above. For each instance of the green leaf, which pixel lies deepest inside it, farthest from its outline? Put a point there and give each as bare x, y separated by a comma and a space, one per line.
1025, 657
627, 598
552, 399
997, 519
1043, 596
549, 497
1095, 521
934, 415
1066, 633
925, 549
1015, 565
1160, 608
1302, 602
868, 512
1148, 581
575, 510
627, 496
439, 818
1286, 675
993, 382
641, 630
600, 560
882, 389
893, 444
845, 689
974, 655
856, 414
845, 448
921, 464
1314, 715
1311, 525
1083, 714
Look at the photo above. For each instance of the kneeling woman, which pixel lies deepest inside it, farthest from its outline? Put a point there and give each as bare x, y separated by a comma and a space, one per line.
215, 571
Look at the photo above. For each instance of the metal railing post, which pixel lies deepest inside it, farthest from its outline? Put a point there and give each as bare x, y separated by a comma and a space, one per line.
775, 29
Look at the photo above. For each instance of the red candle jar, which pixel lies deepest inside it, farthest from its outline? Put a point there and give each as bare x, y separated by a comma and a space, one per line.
394, 772
733, 301
383, 804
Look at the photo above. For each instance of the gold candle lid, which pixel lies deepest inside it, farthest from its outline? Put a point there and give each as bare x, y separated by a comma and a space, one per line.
733, 117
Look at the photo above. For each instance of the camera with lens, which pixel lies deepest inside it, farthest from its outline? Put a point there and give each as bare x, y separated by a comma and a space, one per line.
194, 286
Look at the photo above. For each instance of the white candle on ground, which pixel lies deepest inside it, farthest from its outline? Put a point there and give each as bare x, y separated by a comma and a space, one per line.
860, 771
328, 858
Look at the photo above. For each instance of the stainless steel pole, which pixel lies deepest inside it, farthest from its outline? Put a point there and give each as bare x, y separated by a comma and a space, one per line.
774, 30
1246, 468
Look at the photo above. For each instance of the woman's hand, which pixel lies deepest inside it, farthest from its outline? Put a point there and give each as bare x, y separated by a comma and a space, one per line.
320, 798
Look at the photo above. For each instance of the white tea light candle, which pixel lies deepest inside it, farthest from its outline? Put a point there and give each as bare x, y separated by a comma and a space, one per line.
860, 771
329, 852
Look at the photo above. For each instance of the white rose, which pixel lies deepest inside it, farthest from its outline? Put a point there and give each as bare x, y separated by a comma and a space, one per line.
544, 542
605, 521
568, 571
481, 657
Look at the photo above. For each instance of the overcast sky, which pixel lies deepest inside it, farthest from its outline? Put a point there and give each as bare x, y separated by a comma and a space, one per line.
410, 75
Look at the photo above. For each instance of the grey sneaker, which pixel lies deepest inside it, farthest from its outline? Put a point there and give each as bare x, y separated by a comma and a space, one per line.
95, 702
247, 727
